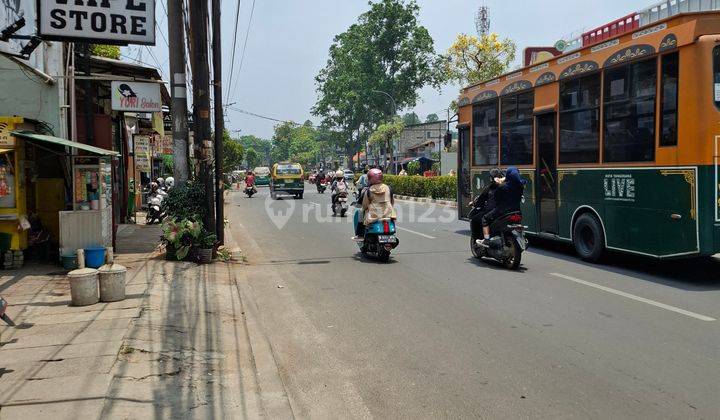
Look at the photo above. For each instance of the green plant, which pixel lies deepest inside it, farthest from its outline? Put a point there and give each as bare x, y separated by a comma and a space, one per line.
413, 168
181, 235
224, 254
186, 202
439, 187
205, 240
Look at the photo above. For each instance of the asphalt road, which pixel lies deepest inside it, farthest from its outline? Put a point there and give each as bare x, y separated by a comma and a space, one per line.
437, 334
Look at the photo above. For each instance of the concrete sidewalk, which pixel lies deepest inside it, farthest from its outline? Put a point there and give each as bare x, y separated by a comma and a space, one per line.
184, 344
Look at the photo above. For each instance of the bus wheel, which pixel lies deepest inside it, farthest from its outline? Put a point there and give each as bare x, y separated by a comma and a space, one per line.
588, 238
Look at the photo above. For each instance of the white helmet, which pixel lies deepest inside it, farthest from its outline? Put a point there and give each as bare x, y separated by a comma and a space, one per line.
339, 174
160, 182
169, 182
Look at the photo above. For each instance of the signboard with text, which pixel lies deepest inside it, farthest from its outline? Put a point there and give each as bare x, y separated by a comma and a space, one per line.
142, 153
136, 97
100, 21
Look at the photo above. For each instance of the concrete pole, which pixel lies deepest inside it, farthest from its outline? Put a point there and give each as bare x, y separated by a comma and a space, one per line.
178, 91
219, 121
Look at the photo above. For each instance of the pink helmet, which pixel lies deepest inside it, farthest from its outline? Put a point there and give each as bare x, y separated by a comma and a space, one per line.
375, 176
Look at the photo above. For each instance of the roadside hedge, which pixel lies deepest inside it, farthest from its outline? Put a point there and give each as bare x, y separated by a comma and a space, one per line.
437, 187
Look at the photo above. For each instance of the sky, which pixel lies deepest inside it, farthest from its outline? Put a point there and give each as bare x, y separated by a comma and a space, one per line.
288, 44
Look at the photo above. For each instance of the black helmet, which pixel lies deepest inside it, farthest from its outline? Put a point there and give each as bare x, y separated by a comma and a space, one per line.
496, 173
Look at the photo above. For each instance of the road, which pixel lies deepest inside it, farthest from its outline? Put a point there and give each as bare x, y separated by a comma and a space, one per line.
437, 334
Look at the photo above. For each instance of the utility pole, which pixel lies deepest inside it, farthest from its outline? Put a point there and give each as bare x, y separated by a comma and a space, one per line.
219, 121
201, 102
178, 91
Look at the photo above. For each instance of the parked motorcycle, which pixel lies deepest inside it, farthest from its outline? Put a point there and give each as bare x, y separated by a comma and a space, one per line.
379, 239
507, 241
340, 205
155, 214
250, 191
3, 315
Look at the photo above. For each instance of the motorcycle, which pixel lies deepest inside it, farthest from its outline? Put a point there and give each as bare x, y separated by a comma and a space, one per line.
250, 191
155, 211
321, 187
3, 315
340, 205
507, 239
379, 239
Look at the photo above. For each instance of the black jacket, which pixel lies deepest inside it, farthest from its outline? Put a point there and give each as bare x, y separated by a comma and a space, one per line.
509, 194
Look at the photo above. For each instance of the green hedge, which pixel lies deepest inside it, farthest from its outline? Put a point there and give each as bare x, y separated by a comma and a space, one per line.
438, 187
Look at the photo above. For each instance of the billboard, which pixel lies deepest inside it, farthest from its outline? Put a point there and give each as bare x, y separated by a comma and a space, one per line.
12, 11
135, 96
99, 21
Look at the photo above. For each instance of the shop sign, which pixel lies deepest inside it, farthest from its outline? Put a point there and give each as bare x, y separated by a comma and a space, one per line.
167, 144
136, 97
101, 21
142, 153
6, 139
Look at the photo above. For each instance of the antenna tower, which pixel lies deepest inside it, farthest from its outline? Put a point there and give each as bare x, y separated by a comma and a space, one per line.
482, 21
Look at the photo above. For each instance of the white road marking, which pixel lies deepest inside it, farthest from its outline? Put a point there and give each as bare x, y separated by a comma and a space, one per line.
637, 298
316, 204
416, 233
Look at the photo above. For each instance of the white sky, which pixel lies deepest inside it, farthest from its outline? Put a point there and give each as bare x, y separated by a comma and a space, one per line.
289, 41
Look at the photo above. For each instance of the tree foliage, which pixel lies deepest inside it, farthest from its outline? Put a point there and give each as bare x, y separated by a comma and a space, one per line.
261, 146
432, 118
473, 60
386, 133
386, 50
232, 153
411, 118
251, 157
107, 51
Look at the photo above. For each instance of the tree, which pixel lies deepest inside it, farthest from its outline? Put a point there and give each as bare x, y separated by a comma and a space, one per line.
232, 153
386, 134
107, 51
251, 157
473, 60
432, 118
411, 118
386, 50
262, 148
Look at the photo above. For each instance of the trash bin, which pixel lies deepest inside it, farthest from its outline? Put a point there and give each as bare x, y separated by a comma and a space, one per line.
111, 278
84, 286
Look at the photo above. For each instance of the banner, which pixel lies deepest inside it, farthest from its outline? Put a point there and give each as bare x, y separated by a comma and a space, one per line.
142, 153
99, 21
136, 97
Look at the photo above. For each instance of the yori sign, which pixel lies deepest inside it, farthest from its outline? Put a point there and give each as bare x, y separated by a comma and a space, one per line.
136, 97
103, 21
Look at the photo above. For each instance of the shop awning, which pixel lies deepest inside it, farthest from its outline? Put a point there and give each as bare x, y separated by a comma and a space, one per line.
28, 135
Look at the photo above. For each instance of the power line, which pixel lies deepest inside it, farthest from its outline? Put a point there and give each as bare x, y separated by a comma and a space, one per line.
232, 61
247, 35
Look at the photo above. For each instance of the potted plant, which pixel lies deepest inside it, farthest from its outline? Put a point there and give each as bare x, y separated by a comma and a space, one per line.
205, 245
180, 237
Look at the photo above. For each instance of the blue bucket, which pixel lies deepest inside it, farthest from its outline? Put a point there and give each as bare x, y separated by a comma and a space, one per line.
94, 257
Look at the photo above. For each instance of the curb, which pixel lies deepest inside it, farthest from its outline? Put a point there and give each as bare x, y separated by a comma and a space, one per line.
427, 200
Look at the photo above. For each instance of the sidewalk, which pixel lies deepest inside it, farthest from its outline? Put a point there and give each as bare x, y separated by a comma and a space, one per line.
183, 344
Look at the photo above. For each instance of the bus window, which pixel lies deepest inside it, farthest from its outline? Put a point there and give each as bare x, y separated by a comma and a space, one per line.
485, 133
579, 115
517, 129
630, 112
669, 91
716, 75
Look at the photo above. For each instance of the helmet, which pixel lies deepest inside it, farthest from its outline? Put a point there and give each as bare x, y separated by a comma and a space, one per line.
375, 176
496, 173
339, 174
160, 181
170, 182
153, 186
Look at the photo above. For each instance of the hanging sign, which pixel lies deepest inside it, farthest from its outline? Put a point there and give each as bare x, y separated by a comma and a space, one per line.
136, 97
142, 153
101, 21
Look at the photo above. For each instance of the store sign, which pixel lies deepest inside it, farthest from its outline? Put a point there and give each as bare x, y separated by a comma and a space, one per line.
142, 153
101, 21
136, 97
6, 139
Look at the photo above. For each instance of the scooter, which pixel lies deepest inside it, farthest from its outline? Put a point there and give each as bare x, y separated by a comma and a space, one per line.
155, 212
341, 204
3, 315
321, 187
379, 239
507, 239
250, 191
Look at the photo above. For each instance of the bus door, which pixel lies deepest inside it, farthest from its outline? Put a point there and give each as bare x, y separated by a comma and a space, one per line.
546, 173
464, 181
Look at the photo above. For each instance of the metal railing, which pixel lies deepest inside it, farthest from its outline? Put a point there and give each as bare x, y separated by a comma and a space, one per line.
668, 8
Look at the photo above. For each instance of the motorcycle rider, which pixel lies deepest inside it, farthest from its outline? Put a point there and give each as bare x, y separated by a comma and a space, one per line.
508, 196
377, 203
250, 180
339, 185
485, 202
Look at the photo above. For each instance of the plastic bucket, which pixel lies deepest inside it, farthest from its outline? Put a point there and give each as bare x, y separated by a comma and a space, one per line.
69, 262
94, 257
